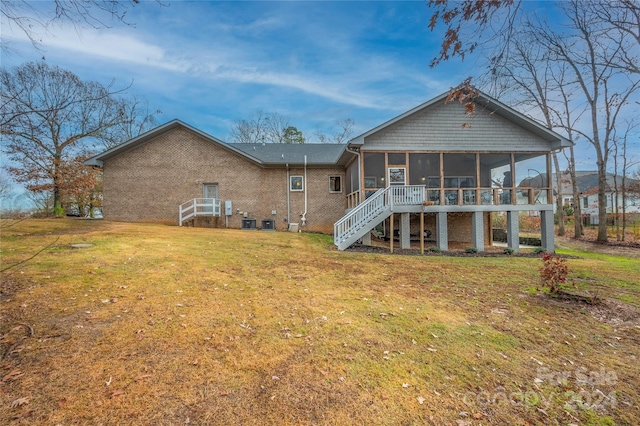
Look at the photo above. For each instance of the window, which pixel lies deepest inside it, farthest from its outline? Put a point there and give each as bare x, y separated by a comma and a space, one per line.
585, 202
335, 183
397, 175
296, 183
397, 158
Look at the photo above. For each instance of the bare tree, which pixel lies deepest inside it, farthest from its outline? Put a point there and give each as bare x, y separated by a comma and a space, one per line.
341, 135
266, 127
137, 119
626, 131
606, 88
595, 44
34, 18
529, 76
276, 126
48, 116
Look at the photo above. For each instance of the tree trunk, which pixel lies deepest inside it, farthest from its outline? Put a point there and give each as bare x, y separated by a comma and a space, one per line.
602, 203
577, 210
559, 200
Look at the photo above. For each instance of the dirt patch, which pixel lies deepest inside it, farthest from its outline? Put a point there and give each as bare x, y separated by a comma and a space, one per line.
611, 247
615, 313
378, 249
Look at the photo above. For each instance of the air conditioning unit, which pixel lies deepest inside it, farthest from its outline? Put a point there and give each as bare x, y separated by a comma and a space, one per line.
249, 224
268, 225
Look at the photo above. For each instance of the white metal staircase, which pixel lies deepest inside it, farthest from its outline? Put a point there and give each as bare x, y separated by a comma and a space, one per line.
367, 215
199, 207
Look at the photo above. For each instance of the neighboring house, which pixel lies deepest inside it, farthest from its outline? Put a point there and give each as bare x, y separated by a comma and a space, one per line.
432, 171
587, 183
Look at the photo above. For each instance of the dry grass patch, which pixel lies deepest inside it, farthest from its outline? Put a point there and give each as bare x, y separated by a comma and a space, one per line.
164, 325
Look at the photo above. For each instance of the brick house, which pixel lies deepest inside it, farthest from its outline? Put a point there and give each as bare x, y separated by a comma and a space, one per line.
432, 171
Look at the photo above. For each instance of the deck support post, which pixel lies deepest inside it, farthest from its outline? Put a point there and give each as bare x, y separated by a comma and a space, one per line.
477, 230
422, 232
513, 236
405, 231
547, 227
441, 231
391, 233
366, 239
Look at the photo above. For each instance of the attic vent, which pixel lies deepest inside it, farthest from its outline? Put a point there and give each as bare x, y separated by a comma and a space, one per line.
268, 225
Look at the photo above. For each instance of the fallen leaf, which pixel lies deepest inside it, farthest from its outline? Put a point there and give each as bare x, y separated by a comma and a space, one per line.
223, 393
20, 401
477, 416
13, 375
117, 393
142, 376
24, 414
420, 400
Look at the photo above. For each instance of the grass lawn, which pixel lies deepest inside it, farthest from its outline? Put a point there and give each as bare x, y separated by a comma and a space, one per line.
163, 325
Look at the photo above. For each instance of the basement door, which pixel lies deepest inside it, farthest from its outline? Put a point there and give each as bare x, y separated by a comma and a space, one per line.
209, 190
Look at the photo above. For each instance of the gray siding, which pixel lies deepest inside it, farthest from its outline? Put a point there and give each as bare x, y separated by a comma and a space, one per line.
446, 127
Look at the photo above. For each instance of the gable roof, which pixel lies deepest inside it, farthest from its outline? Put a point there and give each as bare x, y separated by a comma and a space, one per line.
266, 155
556, 140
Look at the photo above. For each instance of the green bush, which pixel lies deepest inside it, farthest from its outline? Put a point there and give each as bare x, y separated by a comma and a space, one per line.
434, 249
471, 250
509, 251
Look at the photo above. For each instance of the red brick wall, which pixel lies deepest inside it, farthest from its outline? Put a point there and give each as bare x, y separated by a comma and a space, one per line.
149, 182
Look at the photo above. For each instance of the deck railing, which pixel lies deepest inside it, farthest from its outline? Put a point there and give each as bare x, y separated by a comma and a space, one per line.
406, 195
353, 199
199, 207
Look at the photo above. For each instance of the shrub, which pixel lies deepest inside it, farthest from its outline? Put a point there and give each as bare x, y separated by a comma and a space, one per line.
553, 272
540, 250
471, 250
509, 251
434, 249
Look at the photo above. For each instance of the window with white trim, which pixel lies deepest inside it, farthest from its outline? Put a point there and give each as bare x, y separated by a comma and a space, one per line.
335, 184
296, 183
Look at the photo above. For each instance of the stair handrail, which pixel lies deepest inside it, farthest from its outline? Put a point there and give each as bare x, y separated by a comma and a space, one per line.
189, 208
373, 205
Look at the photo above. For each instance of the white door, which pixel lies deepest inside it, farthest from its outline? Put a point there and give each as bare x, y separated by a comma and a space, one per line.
209, 190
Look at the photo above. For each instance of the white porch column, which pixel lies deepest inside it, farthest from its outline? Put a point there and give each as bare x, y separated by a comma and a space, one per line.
477, 230
405, 231
441, 231
366, 239
513, 236
547, 228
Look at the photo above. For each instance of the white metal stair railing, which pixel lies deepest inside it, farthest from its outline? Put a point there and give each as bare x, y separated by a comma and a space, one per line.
355, 224
199, 207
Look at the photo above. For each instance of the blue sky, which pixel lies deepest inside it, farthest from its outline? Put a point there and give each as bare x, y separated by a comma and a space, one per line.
212, 63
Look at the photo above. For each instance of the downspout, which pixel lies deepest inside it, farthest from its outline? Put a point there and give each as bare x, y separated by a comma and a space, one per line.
303, 219
288, 198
